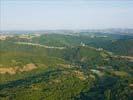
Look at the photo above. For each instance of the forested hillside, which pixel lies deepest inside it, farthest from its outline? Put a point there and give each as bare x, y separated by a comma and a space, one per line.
118, 44
66, 67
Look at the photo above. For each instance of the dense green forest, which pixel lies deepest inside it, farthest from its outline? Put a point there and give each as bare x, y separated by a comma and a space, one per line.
118, 44
78, 66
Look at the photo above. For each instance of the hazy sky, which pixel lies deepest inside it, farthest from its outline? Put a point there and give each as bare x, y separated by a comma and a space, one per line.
65, 14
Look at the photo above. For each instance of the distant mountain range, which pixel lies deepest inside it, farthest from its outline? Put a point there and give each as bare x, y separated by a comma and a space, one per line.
126, 31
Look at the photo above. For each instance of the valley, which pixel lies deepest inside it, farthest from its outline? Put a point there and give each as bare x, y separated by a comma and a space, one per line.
72, 66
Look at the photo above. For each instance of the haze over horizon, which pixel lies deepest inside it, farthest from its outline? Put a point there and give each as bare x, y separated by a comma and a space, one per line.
65, 14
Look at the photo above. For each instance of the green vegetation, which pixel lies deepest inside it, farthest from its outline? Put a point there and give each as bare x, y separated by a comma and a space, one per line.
36, 68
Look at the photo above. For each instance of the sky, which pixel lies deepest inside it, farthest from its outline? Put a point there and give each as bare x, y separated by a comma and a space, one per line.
65, 14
